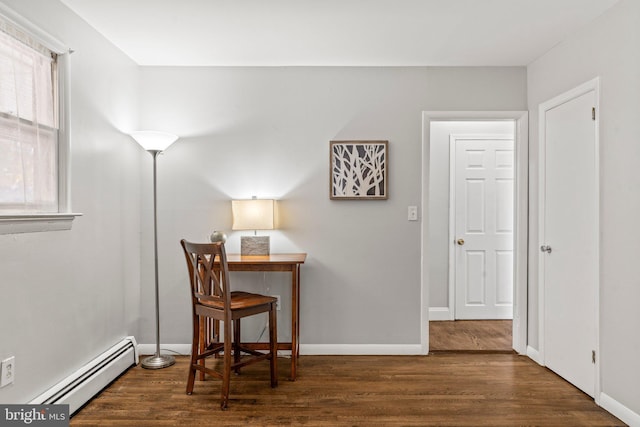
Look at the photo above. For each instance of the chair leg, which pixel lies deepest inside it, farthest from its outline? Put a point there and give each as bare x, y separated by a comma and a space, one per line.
203, 325
273, 345
195, 346
236, 344
226, 370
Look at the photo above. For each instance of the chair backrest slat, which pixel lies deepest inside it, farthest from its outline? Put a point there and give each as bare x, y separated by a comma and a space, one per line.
208, 271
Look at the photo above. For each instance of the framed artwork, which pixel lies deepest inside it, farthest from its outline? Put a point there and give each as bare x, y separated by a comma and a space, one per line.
358, 170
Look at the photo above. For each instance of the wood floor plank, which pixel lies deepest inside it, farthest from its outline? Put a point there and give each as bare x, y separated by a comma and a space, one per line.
440, 389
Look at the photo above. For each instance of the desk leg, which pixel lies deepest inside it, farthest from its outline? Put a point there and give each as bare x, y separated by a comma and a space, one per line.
295, 320
298, 330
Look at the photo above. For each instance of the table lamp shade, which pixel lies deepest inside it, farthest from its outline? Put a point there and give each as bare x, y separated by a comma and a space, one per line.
152, 140
252, 214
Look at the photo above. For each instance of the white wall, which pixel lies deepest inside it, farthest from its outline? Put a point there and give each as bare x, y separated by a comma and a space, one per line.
439, 197
609, 48
266, 132
69, 295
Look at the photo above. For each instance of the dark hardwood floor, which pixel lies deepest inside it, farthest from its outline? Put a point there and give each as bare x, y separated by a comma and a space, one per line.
445, 389
471, 335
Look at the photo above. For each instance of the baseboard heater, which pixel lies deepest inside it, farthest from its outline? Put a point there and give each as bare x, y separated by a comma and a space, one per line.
81, 386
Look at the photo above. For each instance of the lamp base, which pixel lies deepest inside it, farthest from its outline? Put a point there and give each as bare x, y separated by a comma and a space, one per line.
158, 361
254, 245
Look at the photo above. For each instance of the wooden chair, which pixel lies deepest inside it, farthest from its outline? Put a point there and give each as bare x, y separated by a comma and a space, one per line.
213, 301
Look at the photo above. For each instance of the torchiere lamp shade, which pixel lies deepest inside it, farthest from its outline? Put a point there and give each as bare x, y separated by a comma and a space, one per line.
152, 140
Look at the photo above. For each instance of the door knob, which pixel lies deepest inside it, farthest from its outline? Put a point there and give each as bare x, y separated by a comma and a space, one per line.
545, 248
460, 242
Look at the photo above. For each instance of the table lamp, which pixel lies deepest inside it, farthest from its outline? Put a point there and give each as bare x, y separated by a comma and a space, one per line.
253, 214
155, 143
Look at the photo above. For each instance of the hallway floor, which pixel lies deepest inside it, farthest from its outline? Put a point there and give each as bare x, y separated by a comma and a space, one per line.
471, 336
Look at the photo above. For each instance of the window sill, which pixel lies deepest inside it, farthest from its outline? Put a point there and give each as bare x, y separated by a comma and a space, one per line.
33, 223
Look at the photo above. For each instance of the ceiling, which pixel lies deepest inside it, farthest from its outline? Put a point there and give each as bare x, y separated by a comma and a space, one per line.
337, 32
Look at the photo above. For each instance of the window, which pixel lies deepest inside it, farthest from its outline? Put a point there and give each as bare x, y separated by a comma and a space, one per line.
33, 129
28, 127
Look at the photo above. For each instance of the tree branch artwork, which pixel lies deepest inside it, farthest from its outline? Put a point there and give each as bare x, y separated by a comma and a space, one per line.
358, 170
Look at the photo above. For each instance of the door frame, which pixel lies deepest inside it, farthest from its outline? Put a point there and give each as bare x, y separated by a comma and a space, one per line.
452, 294
521, 173
591, 85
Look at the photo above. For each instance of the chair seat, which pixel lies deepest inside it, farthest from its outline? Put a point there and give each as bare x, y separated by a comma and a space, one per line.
241, 300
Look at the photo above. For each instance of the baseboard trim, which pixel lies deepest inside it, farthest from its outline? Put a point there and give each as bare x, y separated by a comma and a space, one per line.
533, 354
171, 349
82, 385
625, 414
306, 349
439, 313
360, 349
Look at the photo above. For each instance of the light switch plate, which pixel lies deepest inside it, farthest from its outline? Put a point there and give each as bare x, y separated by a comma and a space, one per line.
412, 213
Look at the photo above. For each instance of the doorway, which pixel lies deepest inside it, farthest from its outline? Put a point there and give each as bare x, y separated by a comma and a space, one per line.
437, 300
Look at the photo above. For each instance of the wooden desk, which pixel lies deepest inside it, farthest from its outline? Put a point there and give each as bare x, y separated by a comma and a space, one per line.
277, 262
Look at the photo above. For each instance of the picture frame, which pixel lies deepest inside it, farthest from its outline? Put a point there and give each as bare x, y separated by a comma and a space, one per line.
358, 170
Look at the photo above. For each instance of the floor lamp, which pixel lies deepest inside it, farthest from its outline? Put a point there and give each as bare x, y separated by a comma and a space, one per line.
155, 143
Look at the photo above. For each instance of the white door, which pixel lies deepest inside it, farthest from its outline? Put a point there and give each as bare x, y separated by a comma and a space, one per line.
483, 235
569, 238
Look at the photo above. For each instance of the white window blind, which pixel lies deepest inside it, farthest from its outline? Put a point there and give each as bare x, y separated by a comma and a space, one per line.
28, 125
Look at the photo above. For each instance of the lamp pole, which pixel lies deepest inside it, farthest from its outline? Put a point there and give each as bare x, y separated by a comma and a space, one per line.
155, 142
157, 361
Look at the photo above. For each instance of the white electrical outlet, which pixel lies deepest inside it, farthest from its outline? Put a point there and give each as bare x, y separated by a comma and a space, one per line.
278, 304
7, 371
